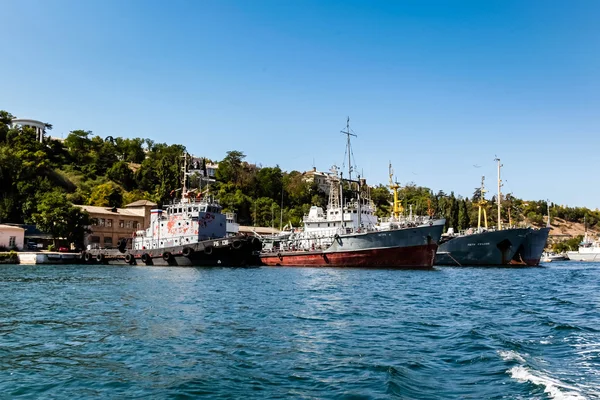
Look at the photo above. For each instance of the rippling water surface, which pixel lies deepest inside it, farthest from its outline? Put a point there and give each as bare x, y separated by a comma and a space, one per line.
450, 333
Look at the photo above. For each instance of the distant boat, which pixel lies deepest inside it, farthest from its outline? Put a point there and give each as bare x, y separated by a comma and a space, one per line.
550, 256
589, 250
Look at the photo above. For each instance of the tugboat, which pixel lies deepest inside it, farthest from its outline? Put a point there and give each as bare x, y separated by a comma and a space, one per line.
482, 246
348, 234
192, 231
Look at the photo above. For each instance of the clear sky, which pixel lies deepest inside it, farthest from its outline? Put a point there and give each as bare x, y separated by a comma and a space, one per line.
436, 87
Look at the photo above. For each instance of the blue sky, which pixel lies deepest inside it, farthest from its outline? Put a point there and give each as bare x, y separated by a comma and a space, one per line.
435, 87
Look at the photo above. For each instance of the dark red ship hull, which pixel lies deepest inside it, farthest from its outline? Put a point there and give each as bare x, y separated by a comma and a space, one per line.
420, 256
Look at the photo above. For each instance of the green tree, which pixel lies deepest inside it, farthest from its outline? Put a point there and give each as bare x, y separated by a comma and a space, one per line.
5, 120
230, 168
567, 245
269, 182
60, 218
107, 195
79, 146
296, 189
463, 215
234, 200
121, 173
382, 198
131, 150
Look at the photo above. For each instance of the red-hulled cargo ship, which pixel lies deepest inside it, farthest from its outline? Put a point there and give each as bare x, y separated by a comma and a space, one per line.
348, 234
408, 247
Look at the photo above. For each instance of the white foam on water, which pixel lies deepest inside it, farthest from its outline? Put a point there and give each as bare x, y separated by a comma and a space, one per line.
553, 387
510, 355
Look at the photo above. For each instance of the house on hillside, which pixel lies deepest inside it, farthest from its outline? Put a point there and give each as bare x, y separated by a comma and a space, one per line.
318, 177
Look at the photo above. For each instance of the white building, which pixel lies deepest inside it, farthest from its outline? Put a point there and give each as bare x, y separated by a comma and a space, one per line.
11, 237
320, 178
197, 167
39, 126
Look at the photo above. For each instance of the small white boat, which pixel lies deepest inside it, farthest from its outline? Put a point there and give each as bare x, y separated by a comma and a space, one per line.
551, 256
589, 250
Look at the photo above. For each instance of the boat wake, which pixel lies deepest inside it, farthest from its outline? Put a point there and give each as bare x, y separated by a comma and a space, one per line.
552, 386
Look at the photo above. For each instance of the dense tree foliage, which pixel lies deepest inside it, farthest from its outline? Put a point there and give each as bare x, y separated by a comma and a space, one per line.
571, 244
57, 216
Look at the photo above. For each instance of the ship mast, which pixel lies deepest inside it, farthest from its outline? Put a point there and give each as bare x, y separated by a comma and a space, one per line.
348, 148
499, 200
481, 203
184, 168
335, 190
397, 208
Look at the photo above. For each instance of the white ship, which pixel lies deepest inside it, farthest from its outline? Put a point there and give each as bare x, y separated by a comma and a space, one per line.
589, 250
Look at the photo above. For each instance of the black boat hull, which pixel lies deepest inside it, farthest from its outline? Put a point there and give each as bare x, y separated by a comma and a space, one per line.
226, 252
530, 251
490, 248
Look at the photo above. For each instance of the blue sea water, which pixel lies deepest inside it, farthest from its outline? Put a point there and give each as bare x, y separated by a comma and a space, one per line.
451, 333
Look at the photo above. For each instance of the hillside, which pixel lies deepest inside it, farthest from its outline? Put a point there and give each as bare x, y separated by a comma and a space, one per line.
572, 229
40, 178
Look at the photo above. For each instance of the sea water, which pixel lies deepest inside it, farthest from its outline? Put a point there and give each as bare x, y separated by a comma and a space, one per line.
450, 333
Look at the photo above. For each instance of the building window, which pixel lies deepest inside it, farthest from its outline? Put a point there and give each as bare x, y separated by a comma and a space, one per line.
101, 221
109, 222
12, 241
95, 239
128, 224
138, 225
121, 223
108, 241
